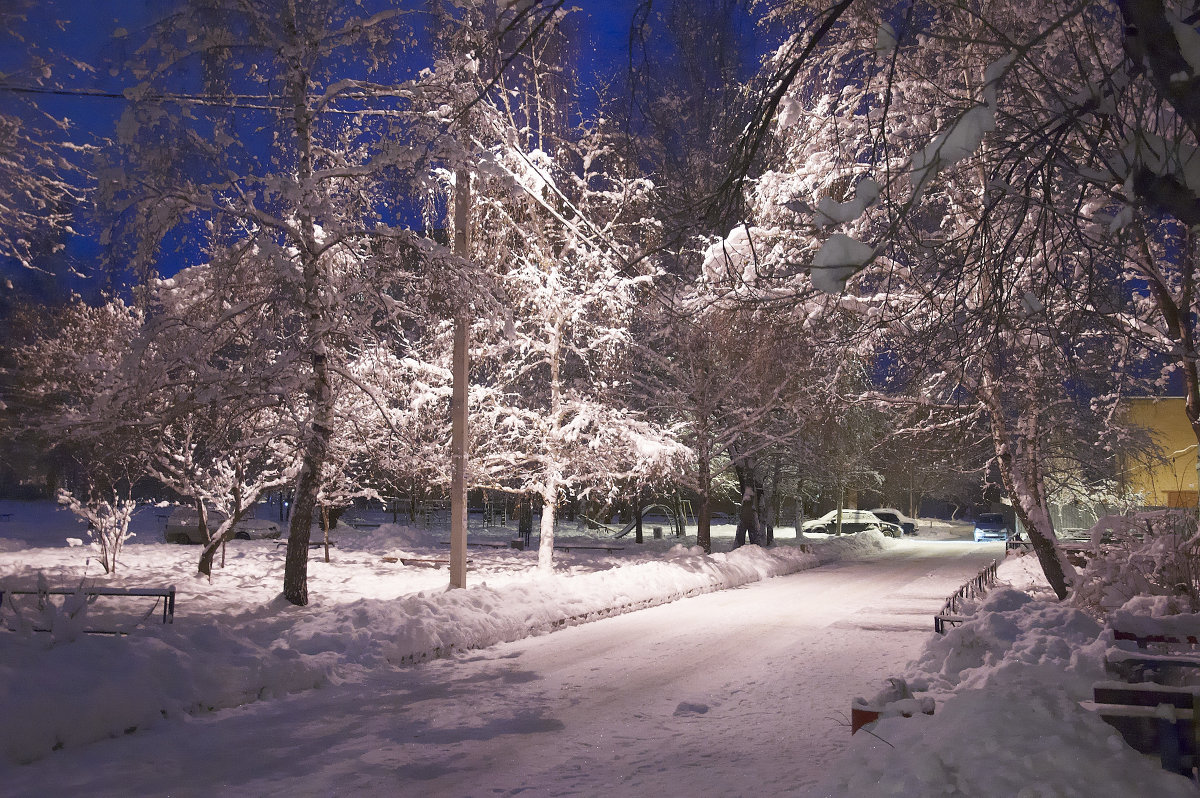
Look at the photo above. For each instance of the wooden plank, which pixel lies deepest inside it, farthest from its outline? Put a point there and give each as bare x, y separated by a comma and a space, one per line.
1144, 641
1147, 730
1144, 694
1162, 668
570, 546
434, 561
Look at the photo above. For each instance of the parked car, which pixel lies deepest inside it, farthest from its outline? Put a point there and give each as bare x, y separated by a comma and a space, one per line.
852, 521
991, 526
183, 526
894, 516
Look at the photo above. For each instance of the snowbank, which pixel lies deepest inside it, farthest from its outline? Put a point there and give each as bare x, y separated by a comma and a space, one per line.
236, 641
1008, 723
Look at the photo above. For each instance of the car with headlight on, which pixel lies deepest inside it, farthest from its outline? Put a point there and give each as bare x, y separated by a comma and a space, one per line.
991, 527
852, 521
183, 526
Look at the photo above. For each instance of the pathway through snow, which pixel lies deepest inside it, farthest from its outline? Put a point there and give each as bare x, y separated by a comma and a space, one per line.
745, 690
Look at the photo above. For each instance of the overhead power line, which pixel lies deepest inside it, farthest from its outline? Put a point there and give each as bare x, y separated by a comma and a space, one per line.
256, 102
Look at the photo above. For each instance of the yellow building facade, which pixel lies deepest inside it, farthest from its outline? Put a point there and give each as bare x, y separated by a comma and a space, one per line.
1166, 478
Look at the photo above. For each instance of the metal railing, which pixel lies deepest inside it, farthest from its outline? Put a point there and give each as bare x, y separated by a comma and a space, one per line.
975, 587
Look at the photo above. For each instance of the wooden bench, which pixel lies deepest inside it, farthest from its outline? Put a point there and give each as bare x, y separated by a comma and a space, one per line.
1153, 719
167, 594
364, 524
312, 544
482, 544
433, 562
569, 546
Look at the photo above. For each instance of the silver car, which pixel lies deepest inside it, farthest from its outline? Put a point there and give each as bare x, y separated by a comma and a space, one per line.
183, 526
852, 521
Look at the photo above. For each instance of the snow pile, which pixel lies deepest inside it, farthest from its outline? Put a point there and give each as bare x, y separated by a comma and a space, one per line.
1023, 737
1008, 723
885, 40
1155, 615
950, 146
1011, 627
789, 113
235, 641
434, 623
837, 261
830, 212
102, 686
732, 257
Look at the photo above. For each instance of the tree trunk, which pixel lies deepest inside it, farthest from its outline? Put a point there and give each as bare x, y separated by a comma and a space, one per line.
703, 533
637, 518
747, 527
770, 499
1021, 475
325, 524
315, 441
240, 505
202, 521
525, 518
841, 502
546, 531
680, 518
210, 551
800, 508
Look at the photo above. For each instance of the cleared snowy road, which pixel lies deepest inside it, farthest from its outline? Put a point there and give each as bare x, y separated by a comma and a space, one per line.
741, 692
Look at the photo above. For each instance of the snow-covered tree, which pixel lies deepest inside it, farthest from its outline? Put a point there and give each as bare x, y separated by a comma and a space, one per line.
41, 182
554, 417
914, 156
303, 134
74, 395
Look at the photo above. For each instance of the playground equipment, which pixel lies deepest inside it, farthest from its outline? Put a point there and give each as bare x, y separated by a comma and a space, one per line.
620, 533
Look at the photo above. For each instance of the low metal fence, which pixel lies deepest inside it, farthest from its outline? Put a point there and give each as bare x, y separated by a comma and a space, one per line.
975, 587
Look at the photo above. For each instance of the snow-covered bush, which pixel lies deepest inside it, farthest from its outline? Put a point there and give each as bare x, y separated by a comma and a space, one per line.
1155, 553
107, 517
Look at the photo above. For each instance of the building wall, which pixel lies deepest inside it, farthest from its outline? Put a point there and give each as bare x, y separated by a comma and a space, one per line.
1168, 480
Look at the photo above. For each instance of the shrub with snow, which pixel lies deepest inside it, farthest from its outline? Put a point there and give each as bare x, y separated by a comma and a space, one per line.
1155, 553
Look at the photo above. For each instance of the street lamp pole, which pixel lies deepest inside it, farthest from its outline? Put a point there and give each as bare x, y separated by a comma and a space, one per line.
458, 400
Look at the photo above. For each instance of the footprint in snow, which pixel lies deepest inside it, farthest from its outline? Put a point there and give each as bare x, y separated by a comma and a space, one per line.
685, 708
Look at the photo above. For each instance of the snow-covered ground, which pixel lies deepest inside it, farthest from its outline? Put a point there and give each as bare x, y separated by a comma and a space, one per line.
726, 693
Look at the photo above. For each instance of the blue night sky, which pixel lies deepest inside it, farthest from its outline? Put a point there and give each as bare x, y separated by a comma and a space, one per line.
102, 36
